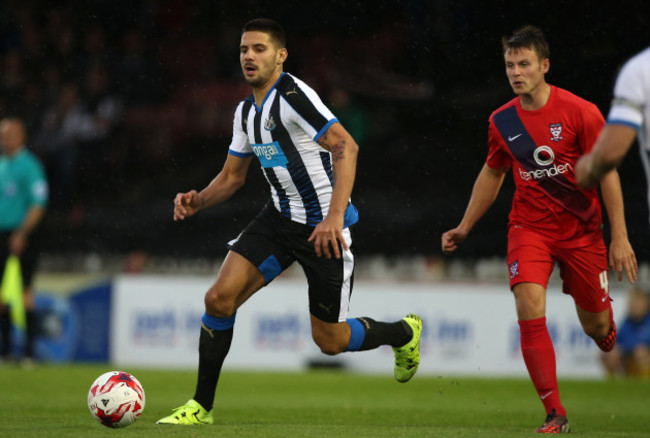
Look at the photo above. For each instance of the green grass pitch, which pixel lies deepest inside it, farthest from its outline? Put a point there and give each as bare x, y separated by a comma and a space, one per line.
50, 401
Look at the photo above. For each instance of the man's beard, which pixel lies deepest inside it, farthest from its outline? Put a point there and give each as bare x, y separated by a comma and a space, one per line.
254, 82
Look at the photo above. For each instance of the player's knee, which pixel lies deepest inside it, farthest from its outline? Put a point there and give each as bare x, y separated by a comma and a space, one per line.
329, 348
328, 344
218, 304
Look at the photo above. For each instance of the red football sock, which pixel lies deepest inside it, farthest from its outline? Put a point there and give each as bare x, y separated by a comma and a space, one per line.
539, 356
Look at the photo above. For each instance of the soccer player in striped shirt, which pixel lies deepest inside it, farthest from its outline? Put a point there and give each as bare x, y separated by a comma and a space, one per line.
309, 161
628, 115
540, 134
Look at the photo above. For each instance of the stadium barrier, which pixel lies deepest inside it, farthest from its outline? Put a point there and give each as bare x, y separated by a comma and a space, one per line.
153, 321
469, 329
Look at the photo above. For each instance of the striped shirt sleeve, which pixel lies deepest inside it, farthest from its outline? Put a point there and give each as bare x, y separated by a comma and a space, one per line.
630, 94
239, 145
310, 113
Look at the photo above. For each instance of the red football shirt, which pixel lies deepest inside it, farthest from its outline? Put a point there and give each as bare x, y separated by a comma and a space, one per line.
542, 148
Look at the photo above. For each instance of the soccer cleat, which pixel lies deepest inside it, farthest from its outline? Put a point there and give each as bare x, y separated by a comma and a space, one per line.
189, 414
407, 357
554, 424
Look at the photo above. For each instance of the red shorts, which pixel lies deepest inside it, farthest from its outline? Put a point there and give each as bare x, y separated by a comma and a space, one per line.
583, 265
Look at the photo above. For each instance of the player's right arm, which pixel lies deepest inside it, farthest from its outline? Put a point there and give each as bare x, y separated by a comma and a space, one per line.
221, 188
612, 146
623, 123
486, 188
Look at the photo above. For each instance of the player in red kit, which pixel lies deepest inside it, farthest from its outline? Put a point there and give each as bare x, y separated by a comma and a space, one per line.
540, 134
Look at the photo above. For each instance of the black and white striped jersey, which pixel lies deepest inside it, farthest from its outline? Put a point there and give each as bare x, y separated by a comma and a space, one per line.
631, 104
283, 134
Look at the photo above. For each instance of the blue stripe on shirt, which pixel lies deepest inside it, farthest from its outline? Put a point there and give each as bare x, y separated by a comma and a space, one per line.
324, 129
624, 123
240, 154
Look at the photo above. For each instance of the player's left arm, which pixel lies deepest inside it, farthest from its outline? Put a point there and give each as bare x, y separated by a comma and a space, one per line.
610, 149
621, 254
344, 152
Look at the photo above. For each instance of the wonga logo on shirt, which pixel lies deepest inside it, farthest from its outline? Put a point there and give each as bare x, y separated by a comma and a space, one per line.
270, 154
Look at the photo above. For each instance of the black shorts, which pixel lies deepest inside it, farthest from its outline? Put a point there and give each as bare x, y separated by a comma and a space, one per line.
28, 258
272, 243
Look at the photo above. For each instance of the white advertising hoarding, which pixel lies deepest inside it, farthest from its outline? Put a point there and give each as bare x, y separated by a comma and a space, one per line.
469, 329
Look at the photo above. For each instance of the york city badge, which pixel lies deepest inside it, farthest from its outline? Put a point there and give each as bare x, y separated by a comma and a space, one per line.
556, 131
514, 269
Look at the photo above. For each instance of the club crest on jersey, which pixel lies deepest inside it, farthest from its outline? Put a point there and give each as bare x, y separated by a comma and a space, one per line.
514, 269
556, 131
269, 124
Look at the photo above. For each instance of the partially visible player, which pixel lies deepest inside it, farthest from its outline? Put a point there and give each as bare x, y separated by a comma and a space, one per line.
539, 135
628, 116
309, 161
23, 200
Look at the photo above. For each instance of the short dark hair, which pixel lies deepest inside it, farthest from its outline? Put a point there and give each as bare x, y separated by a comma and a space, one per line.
529, 37
267, 25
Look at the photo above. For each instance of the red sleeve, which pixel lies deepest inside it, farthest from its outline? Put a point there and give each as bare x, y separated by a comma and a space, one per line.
592, 124
497, 155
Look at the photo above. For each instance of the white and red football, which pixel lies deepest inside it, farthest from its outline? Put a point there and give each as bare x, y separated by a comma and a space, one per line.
116, 399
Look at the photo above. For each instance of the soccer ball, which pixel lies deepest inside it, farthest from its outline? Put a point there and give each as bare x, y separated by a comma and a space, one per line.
116, 399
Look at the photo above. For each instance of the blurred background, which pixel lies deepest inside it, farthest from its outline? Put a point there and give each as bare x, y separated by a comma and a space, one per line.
128, 102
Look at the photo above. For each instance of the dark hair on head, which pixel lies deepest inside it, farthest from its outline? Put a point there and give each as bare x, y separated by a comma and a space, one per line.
272, 27
528, 37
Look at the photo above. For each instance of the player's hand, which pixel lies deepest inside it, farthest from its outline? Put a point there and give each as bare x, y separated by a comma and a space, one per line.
186, 204
451, 239
622, 258
326, 237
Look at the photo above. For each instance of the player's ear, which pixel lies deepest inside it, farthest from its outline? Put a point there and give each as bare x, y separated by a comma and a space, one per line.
282, 56
546, 65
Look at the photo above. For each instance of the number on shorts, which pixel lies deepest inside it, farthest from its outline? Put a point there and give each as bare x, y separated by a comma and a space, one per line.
604, 281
